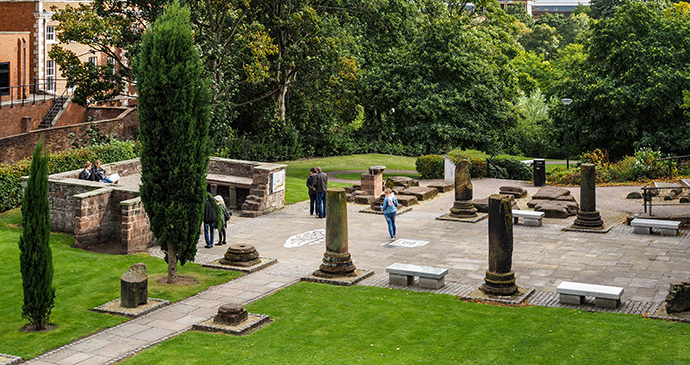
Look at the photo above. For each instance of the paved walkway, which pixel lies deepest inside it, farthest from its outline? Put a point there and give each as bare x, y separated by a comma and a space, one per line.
543, 257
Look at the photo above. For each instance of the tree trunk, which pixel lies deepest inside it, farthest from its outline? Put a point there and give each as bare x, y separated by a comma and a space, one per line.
281, 102
172, 263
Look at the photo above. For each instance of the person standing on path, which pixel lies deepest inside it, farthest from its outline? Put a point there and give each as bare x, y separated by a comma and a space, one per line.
223, 219
210, 219
311, 185
321, 187
390, 210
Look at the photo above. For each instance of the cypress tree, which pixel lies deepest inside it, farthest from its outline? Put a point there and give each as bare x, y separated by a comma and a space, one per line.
173, 129
36, 258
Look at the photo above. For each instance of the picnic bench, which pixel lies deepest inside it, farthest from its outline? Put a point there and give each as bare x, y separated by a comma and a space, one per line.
429, 277
604, 296
530, 218
644, 226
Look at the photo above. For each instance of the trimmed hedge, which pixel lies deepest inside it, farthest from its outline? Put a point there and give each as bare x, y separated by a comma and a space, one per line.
510, 168
431, 166
73, 159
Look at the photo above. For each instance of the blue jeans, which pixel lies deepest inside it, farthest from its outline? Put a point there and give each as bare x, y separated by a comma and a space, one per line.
390, 219
321, 204
312, 204
209, 227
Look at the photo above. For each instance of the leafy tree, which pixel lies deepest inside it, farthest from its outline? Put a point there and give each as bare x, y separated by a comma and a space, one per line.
536, 135
543, 40
603, 9
581, 9
520, 13
629, 92
174, 119
453, 86
572, 28
553, 20
36, 258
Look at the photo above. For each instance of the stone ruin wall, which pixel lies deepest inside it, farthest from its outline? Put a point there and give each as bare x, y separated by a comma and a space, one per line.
97, 214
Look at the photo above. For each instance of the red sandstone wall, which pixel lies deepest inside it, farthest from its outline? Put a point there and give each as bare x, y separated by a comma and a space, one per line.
18, 16
15, 148
12, 117
74, 114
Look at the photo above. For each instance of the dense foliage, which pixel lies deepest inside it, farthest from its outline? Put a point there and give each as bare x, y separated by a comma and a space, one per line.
36, 258
174, 118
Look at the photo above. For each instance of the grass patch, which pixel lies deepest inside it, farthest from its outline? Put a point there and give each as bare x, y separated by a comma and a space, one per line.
298, 171
82, 280
316, 324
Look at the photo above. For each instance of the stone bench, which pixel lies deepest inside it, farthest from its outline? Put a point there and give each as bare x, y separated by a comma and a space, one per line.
530, 218
644, 226
227, 180
429, 277
604, 296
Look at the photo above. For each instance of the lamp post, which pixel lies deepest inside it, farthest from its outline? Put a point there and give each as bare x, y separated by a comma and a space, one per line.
567, 102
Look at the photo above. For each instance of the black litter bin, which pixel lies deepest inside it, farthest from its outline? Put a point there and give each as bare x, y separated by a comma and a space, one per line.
539, 166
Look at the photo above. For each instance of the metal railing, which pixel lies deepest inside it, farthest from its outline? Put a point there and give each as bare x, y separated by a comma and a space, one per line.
650, 192
674, 161
38, 90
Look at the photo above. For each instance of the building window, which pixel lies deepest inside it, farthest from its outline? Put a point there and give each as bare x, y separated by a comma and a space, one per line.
4, 78
93, 60
50, 75
111, 62
50, 34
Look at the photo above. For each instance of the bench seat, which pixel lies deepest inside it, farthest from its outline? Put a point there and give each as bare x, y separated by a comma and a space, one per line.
531, 218
227, 180
429, 277
644, 226
604, 296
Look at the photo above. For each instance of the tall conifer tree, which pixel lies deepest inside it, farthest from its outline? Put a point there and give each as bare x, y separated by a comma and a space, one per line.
174, 119
36, 258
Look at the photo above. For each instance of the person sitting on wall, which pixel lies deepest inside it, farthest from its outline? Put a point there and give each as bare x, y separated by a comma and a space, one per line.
87, 173
99, 173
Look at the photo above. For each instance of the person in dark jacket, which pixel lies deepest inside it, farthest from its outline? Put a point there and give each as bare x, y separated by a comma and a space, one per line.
87, 173
210, 219
99, 172
321, 187
311, 185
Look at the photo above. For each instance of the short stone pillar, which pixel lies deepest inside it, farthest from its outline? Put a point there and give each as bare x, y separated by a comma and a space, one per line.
588, 217
134, 286
500, 279
26, 124
231, 314
678, 297
372, 182
242, 255
448, 170
463, 206
336, 261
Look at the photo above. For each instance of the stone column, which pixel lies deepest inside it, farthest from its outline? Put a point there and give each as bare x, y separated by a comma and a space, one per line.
588, 216
463, 206
134, 286
500, 279
336, 261
372, 182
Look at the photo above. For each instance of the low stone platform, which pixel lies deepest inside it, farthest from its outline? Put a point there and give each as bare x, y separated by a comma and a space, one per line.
575, 228
448, 217
252, 322
265, 262
9, 359
343, 280
114, 307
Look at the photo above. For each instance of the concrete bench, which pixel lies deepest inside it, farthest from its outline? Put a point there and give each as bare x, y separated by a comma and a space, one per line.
429, 277
530, 218
644, 226
604, 296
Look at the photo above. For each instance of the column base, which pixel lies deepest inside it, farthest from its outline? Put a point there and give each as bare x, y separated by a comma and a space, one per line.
499, 284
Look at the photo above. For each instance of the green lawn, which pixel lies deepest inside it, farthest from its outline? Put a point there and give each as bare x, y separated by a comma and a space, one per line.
298, 171
325, 324
82, 280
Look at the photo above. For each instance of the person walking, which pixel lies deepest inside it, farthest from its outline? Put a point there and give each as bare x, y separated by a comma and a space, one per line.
321, 187
211, 214
390, 210
311, 185
222, 221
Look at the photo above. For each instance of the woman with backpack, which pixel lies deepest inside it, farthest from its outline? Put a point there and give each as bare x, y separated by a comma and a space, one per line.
390, 210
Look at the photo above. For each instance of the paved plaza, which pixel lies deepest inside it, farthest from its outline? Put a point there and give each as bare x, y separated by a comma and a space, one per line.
544, 256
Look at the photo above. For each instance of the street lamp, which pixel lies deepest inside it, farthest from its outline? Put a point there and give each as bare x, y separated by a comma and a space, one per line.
567, 102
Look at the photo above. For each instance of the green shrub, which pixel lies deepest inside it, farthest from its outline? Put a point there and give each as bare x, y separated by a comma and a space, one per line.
430, 166
510, 168
478, 169
73, 159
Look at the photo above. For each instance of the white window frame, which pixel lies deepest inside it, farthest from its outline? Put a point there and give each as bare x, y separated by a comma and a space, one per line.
50, 34
93, 60
50, 75
111, 61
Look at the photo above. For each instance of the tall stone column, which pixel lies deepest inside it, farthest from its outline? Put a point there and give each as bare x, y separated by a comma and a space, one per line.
588, 216
463, 206
500, 279
336, 261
